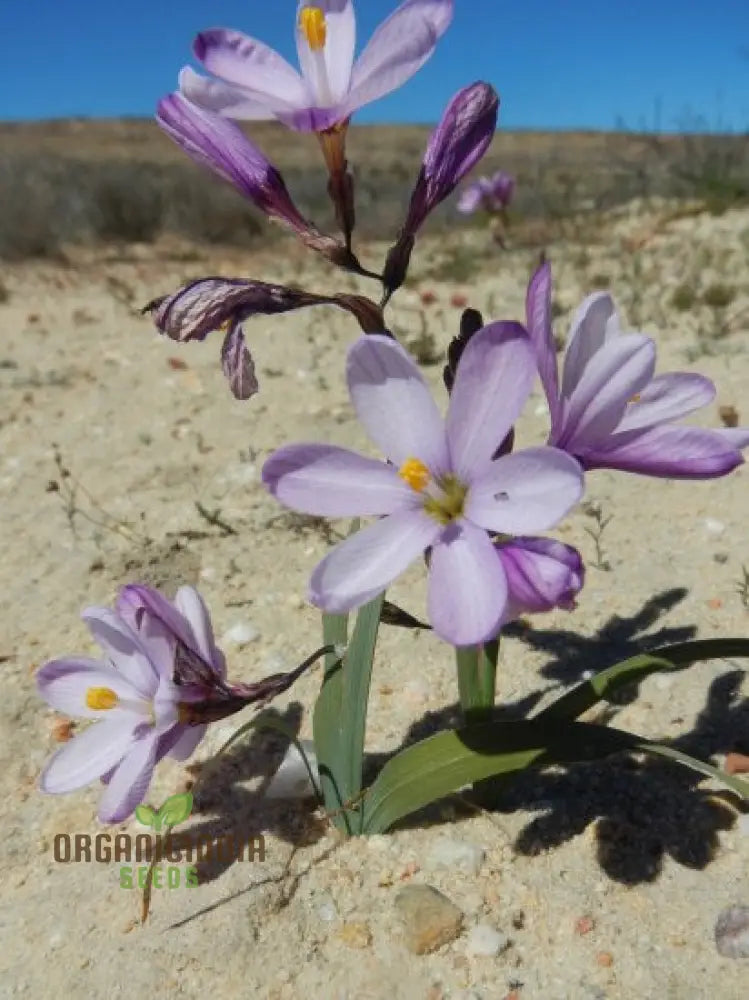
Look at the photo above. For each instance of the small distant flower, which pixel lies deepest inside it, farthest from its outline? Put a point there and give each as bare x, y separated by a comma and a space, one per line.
541, 574
612, 411
207, 304
254, 82
160, 682
489, 193
220, 145
440, 489
461, 138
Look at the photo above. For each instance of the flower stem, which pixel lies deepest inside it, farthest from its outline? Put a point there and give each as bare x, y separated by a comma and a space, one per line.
477, 671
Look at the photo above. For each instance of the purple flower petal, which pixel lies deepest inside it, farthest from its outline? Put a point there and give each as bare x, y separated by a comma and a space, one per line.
245, 62
90, 754
128, 785
399, 47
237, 364
526, 492
356, 570
122, 646
64, 683
192, 607
467, 586
155, 616
665, 398
221, 98
737, 437
328, 481
541, 574
220, 145
394, 403
613, 375
182, 742
494, 377
668, 452
594, 323
337, 54
538, 321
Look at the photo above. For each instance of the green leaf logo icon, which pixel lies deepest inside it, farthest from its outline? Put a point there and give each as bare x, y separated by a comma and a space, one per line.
145, 815
175, 810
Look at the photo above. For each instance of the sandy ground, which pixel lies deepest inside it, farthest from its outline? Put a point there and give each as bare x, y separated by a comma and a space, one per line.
606, 881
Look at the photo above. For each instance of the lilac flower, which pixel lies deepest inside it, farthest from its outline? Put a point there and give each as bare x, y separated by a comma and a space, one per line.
132, 695
255, 82
162, 680
461, 138
440, 489
490, 193
221, 146
541, 574
612, 411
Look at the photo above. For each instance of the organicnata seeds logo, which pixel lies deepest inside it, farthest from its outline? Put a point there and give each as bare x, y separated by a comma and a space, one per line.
143, 852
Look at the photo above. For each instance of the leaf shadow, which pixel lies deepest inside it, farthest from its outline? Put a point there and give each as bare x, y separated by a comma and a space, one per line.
240, 813
574, 655
643, 810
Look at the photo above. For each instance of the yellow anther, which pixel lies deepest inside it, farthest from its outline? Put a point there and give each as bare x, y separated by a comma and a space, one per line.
635, 398
312, 25
101, 698
415, 473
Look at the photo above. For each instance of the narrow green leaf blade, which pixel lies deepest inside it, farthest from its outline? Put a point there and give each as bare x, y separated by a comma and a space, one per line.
327, 721
357, 675
441, 764
675, 657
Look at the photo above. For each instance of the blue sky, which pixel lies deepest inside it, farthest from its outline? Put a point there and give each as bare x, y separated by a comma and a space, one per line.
574, 63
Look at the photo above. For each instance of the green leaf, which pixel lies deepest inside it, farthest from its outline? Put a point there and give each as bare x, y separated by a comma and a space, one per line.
175, 810
145, 815
477, 672
357, 675
441, 764
326, 721
676, 657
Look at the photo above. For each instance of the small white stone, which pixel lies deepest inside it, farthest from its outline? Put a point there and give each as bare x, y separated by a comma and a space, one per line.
325, 909
208, 573
714, 527
55, 941
291, 780
743, 824
456, 854
241, 633
485, 940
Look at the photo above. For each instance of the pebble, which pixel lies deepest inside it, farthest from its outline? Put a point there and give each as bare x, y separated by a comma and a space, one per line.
291, 780
485, 940
356, 935
714, 527
732, 932
325, 909
241, 633
456, 854
429, 918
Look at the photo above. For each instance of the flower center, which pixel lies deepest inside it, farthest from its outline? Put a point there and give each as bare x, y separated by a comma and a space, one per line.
444, 498
101, 698
312, 25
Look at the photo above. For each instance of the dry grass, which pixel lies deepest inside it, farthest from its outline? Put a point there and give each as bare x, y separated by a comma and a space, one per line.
122, 181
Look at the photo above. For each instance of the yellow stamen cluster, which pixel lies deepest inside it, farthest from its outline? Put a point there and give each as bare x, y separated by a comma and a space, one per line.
635, 398
415, 473
449, 506
101, 698
313, 27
